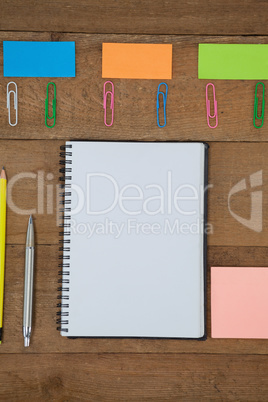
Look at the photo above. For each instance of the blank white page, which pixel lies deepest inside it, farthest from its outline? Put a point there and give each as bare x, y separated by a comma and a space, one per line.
136, 241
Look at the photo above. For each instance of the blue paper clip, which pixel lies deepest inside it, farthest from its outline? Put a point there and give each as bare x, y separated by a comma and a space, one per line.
164, 103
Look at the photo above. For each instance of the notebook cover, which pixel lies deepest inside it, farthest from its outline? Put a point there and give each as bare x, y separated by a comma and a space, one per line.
39, 59
239, 302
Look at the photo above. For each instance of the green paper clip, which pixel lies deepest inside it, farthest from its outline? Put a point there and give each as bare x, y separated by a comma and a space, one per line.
256, 117
47, 117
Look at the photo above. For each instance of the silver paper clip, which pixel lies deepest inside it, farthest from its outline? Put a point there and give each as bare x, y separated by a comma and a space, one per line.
15, 94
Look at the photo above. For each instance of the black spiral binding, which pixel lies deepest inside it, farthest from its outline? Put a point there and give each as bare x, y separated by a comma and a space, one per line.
64, 242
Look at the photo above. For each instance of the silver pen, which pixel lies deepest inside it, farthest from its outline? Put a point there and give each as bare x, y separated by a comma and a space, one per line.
28, 284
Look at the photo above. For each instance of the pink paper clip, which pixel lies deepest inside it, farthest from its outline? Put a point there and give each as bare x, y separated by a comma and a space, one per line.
105, 94
215, 115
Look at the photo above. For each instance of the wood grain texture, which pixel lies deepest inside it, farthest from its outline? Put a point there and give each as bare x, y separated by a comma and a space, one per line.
56, 368
138, 17
45, 338
137, 377
80, 100
33, 170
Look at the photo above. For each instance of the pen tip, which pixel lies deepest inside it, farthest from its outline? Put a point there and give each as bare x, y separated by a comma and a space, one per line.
26, 342
30, 233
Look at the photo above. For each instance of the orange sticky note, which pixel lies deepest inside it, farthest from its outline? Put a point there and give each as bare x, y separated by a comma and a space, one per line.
239, 302
135, 60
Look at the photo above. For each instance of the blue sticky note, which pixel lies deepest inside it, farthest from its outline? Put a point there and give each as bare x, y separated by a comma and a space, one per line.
39, 59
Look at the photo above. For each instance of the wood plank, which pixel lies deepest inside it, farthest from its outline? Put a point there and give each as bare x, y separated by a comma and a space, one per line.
151, 17
229, 163
135, 377
45, 338
32, 167
80, 99
228, 166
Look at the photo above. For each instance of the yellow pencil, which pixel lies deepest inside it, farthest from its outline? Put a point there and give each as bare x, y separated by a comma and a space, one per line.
3, 186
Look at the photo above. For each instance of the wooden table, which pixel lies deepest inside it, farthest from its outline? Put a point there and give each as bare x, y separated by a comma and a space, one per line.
55, 368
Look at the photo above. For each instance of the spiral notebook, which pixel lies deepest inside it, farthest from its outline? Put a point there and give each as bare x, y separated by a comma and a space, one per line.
134, 240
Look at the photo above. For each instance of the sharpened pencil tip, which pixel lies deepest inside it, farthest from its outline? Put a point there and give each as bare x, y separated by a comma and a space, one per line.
30, 219
3, 173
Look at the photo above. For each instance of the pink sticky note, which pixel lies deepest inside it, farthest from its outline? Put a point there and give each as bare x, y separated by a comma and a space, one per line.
239, 302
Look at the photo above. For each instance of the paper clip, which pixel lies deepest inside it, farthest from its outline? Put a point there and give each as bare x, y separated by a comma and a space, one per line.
47, 117
164, 103
15, 94
215, 115
256, 117
105, 94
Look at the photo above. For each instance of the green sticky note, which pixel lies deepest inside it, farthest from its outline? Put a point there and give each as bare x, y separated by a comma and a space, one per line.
233, 62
